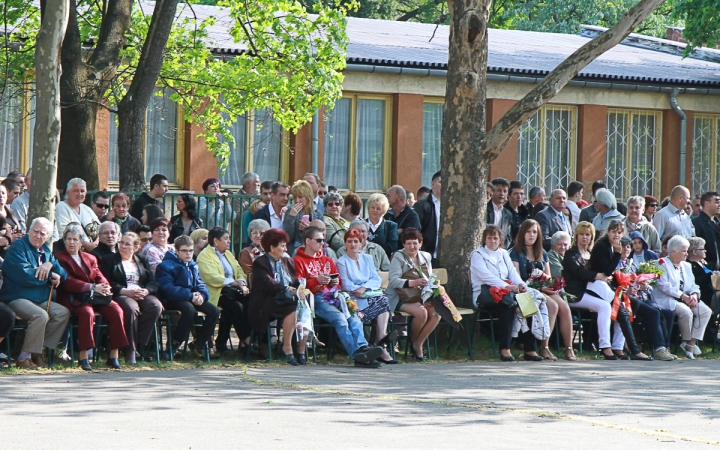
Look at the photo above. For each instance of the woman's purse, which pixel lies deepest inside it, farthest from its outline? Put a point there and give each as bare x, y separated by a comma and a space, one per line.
89, 298
412, 294
285, 297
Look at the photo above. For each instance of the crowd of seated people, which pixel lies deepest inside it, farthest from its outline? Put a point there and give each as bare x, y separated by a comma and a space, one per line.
247, 263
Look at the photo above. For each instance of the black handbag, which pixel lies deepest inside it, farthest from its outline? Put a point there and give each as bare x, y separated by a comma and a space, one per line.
89, 298
285, 297
485, 299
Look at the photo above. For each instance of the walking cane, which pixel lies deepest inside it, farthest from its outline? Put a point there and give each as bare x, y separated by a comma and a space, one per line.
47, 310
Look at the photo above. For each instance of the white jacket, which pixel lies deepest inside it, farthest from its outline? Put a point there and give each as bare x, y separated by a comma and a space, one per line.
668, 286
483, 271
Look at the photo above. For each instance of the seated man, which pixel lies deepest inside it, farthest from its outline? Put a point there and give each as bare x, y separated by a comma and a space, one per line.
316, 269
182, 289
29, 270
326, 250
109, 233
380, 259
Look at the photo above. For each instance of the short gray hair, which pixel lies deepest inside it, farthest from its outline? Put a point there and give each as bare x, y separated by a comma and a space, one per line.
40, 220
636, 199
676, 243
249, 176
559, 235
108, 223
400, 191
535, 191
360, 222
73, 228
333, 196
605, 197
258, 224
695, 243
75, 181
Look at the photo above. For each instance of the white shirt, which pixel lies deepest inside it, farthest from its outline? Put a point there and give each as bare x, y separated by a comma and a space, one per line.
64, 214
437, 223
275, 221
498, 215
574, 211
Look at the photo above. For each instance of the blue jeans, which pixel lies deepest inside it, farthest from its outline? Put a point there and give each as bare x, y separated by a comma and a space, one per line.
350, 331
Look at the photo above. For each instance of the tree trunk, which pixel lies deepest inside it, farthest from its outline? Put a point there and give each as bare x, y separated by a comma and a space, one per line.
47, 123
468, 149
83, 85
131, 109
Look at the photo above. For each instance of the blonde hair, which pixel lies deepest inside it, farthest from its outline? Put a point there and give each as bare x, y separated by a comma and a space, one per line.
198, 234
255, 205
302, 188
380, 199
582, 228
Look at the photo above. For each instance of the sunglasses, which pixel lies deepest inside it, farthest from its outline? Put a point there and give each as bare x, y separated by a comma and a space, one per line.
653, 205
319, 240
102, 205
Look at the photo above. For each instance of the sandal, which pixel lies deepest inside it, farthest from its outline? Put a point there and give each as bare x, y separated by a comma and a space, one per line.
549, 356
570, 354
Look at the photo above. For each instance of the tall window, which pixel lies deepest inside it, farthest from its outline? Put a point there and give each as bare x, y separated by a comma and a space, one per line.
547, 145
160, 140
432, 139
633, 149
259, 151
12, 115
357, 143
705, 164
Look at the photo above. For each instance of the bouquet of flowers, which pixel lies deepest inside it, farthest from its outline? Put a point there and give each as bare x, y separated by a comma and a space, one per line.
559, 286
351, 306
538, 280
648, 272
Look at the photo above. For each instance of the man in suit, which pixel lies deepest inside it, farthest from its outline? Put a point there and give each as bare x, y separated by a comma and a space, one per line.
536, 201
496, 213
589, 213
428, 211
552, 219
706, 228
274, 212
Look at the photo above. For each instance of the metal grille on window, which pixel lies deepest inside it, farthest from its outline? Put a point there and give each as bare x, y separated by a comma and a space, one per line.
432, 140
546, 148
160, 137
11, 117
267, 146
370, 157
633, 143
236, 163
337, 144
705, 167
113, 163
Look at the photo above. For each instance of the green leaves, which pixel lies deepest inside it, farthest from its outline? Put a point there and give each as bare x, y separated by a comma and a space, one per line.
702, 22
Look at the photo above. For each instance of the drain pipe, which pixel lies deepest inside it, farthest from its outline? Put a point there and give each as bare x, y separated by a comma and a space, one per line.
314, 142
683, 133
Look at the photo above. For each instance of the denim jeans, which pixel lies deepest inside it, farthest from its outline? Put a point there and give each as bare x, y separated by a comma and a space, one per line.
350, 331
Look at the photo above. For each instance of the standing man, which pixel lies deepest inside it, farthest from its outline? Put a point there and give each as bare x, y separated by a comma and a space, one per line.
536, 202
250, 186
314, 181
266, 191
635, 221
100, 204
20, 204
575, 194
673, 219
274, 212
322, 191
30, 268
696, 207
589, 213
158, 189
496, 213
516, 206
400, 212
707, 229
428, 211
552, 219
606, 206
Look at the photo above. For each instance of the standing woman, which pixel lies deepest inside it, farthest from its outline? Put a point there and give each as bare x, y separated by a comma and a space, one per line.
120, 214
85, 281
382, 232
155, 250
529, 258
272, 274
335, 224
405, 261
216, 209
134, 288
300, 215
186, 220
72, 209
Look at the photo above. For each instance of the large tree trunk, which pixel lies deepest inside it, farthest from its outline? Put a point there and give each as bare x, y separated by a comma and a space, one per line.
83, 84
47, 124
468, 149
131, 109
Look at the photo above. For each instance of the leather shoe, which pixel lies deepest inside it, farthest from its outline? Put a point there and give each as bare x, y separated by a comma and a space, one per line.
527, 357
290, 358
38, 359
389, 361
390, 338
85, 365
367, 354
507, 358
113, 363
640, 358
301, 359
26, 364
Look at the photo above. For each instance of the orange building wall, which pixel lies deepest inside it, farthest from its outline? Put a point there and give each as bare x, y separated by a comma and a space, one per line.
506, 163
670, 163
199, 163
102, 145
407, 141
591, 145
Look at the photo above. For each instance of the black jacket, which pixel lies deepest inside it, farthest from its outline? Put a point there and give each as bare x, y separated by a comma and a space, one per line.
706, 229
408, 218
505, 223
575, 274
425, 210
101, 251
604, 258
385, 236
263, 213
111, 266
518, 217
177, 228
141, 202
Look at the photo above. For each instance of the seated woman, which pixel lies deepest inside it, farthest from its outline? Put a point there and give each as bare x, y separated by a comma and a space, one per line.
227, 284
606, 258
186, 220
530, 260
299, 216
200, 241
382, 232
491, 266
77, 293
120, 214
155, 250
676, 290
560, 242
359, 278
703, 277
256, 230
182, 289
272, 274
403, 276
134, 288
335, 224
353, 207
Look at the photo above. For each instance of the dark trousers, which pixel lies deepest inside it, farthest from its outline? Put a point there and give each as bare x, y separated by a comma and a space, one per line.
655, 321
139, 327
7, 320
234, 314
506, 317
188, 312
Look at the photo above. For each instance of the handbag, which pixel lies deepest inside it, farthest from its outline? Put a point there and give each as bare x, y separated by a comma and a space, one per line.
485, 299
412, 294
285, 297
370, 293
715, 280
89, 298
526, 304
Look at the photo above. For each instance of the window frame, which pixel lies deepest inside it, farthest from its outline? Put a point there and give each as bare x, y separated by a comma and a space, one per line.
714, 149
436, 101
387, 140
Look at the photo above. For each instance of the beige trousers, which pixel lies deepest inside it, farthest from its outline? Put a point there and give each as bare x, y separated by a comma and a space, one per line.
42, 331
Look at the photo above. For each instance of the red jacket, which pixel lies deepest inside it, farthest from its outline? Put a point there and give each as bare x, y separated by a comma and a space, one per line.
78, 279
309, 268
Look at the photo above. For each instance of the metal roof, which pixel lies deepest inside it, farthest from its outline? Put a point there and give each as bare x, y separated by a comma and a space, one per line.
409, 44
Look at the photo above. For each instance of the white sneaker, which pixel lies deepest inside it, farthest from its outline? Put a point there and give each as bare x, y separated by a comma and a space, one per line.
696, 350
688, 353
664, 355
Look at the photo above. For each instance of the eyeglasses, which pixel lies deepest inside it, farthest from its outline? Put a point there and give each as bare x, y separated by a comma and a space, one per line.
257, 233
653, 205
331, 204
102, 205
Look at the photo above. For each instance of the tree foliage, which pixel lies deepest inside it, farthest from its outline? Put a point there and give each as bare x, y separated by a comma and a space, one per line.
702, 21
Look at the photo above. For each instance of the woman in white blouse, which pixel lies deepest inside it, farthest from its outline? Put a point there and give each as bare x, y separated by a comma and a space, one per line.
676, 290
491, 266
72, 209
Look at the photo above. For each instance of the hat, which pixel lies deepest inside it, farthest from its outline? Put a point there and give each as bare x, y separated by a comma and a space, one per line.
650, 199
